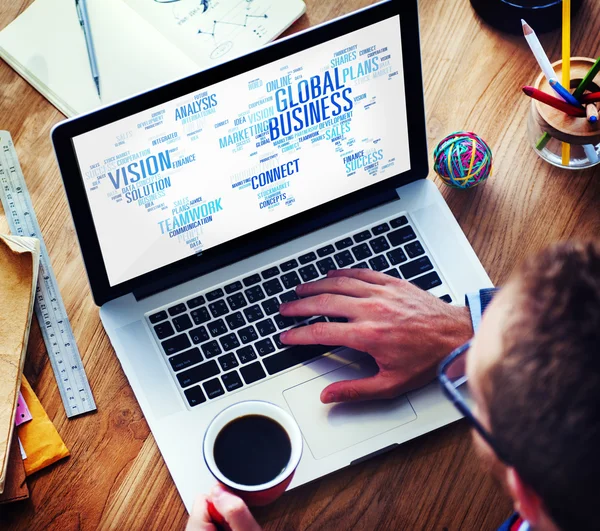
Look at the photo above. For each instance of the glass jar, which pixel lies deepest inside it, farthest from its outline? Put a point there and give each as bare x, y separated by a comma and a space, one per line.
548, 128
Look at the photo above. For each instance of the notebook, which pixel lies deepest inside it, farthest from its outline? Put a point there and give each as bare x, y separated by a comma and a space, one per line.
19, 261
139, 44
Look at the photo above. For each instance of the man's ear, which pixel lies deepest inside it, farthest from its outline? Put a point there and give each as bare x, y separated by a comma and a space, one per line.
527, 503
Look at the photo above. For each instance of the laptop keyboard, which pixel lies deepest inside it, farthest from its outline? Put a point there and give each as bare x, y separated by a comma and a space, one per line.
226, 338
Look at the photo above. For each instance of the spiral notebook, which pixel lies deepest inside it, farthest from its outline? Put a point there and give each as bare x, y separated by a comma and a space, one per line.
139, 44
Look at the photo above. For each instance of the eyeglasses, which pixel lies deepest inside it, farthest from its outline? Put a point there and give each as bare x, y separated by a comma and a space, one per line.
453, 378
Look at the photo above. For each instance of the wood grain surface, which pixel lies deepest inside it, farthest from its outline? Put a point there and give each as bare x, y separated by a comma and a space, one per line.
116, 478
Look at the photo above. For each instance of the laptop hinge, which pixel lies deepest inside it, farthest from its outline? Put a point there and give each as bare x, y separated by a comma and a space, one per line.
239, 252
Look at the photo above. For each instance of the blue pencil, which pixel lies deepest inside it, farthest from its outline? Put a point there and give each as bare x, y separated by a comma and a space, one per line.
564, 93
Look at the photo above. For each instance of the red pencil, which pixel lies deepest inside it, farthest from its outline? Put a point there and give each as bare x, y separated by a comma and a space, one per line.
590, 98
571, 110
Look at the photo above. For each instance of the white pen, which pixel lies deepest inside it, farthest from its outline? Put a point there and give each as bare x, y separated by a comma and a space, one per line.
538, 51
84, 20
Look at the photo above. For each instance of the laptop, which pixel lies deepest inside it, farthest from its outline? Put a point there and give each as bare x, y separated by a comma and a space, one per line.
201, 204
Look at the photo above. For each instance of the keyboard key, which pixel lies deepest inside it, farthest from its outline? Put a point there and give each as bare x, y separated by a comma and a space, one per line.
183, 322
272, 287
265, 327
416, 267
428, 281
446, 298
293, 356
326, 265
200, 315
229, 342
217, 327
264, 347
379, 263
236, 301
393, 273
283, 322
290, 280
361, 251
255, 294
361, 265
343, 244
380, 229
270, 306
288, 297
277, 341
199, 373
379, 244
270, 273
195, 302
199, 335
398, 222
251, 280
362, 236
185, 359
344, 258
194, 396
233, 287
253, 372
414, 249
235, 320
246, 354
163, 330
308, 257
308, 273
228, 361
213, 388
324, 251
177, 309
289, 265
232, 381
400, 236
157, 317
254, 313
397, 256
176, 344
247, 334
218, 308
211, 349
214, 294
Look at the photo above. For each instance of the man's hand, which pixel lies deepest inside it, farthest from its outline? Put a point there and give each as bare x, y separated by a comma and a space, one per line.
230, 507
407, 330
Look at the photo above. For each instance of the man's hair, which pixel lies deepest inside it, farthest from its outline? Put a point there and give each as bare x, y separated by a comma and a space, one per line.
544, 397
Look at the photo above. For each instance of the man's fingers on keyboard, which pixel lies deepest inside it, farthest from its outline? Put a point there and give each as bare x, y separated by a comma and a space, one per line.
323, 304
366, 275
330, 334
340, 285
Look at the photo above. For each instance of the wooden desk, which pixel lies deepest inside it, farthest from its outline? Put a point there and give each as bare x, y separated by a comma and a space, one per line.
116, 477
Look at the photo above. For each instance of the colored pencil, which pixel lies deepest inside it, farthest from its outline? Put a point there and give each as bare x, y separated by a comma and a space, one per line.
564, 93
587, 79
538, 51
590, 98
590, 152
546, 98
566, 66
591, 112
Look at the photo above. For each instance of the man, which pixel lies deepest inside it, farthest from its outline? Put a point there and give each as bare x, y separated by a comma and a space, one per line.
533, 371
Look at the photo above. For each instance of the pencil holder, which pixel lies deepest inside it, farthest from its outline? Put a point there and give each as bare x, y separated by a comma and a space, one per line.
548, 128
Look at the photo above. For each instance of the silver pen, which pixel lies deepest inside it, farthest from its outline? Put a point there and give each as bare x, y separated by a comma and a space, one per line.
84, 20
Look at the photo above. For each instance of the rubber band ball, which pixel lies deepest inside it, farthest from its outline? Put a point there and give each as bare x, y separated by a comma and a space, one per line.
463, 160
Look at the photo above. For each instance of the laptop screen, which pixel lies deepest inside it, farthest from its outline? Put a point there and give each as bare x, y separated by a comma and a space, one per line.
202, 169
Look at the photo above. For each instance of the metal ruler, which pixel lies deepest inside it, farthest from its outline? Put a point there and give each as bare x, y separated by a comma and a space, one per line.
49, 307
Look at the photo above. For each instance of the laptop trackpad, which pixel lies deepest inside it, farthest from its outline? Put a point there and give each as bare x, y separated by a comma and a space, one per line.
329, 428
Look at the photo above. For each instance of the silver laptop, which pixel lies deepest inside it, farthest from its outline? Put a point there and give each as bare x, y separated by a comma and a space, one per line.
200, 205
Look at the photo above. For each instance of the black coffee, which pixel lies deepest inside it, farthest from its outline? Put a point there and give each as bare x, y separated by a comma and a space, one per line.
252, 450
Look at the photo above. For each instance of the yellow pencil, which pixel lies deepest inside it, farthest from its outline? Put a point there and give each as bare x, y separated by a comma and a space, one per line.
566, 65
